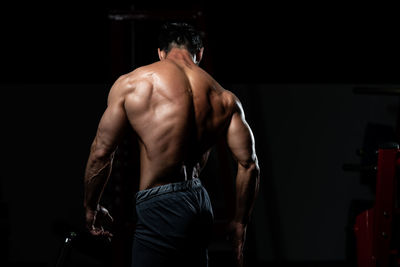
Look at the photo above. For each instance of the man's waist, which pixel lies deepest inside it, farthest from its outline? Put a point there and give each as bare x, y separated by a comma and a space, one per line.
167, 188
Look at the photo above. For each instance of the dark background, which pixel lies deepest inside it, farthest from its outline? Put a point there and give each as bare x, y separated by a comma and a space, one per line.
69, 41
294, 67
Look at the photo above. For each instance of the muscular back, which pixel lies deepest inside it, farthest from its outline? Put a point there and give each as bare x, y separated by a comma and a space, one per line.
178, 112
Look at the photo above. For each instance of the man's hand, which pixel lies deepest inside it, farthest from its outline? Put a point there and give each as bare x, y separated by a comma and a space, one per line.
95, 219
237, 236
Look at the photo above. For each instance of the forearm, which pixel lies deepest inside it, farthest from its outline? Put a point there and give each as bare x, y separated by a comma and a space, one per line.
97, 172
247, 184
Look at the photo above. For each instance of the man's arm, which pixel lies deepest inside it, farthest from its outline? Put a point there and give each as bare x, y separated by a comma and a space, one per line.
240, 140
98, 168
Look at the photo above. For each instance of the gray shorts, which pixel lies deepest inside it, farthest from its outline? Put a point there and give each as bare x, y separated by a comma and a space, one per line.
174, 225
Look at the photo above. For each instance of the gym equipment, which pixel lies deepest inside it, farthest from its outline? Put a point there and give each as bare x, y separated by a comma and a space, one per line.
377, 228
374, 228
65, 250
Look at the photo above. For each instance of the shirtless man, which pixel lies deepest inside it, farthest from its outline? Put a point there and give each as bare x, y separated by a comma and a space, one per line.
178, 112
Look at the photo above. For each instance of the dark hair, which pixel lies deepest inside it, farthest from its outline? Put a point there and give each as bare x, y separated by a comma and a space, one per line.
179, 34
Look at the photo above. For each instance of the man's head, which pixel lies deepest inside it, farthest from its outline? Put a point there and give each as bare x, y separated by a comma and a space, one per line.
180, 35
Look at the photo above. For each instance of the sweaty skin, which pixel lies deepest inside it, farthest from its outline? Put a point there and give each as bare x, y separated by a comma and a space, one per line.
178, 112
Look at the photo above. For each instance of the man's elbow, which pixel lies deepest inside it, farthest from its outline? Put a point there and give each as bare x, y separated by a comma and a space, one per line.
255, 169
251, 167
101, 152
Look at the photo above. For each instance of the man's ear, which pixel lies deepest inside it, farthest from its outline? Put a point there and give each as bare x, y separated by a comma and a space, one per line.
198, 56
161, 54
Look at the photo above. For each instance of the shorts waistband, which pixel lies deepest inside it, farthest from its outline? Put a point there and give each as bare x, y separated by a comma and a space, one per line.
167, 188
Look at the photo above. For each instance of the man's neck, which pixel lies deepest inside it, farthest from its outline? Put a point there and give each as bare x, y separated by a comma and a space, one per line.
180, 54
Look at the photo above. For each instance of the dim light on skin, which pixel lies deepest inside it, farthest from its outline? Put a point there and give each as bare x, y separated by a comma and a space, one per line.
196, 57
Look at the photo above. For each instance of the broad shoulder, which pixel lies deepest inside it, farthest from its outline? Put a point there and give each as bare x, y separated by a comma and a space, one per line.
230, 100
134, 82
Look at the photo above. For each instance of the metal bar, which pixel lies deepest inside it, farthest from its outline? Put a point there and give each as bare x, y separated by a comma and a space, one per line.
121, 15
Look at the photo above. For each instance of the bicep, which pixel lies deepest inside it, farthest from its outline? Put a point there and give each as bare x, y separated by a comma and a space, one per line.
240, 140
